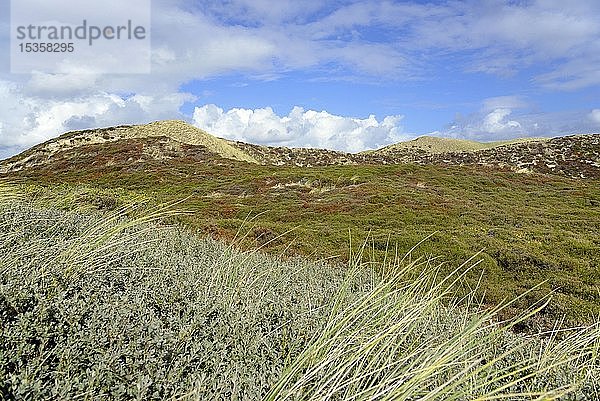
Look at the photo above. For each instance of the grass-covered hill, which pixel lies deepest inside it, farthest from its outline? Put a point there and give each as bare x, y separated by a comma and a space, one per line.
178, 132
576, 156
118, 306
432, 144
531, 228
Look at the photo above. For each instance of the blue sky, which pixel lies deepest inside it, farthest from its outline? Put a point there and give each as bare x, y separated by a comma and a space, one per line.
347, 75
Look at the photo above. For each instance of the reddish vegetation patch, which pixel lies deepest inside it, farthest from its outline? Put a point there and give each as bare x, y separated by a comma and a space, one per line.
571, 156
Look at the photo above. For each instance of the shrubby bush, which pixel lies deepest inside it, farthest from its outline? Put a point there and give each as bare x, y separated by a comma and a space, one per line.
148, 313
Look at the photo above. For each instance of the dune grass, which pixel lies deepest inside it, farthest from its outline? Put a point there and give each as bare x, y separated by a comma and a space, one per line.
432, 144
116, 307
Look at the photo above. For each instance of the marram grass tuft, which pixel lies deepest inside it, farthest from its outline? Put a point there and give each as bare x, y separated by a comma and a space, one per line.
8, 192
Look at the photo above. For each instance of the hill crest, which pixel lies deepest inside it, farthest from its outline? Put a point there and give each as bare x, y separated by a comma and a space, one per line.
176, 130
576, 156
433, 144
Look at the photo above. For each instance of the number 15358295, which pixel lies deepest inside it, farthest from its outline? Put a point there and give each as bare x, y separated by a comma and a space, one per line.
46, 47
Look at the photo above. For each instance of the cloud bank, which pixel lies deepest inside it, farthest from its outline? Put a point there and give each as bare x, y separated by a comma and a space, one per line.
510, 117
300, 128
27, 119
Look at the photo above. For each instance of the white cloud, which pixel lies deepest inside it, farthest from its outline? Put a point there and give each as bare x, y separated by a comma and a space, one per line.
496, 122
505, 123
28, 119
300, 128
487, 125
61, 85
595, 116
574, 74
265, 11
186, 46
511, 36
192, 41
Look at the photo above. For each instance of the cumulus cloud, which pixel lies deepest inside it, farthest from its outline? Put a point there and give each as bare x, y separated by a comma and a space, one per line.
506, 123
497, 122
486, 126
595, 116
300, 128
28, 119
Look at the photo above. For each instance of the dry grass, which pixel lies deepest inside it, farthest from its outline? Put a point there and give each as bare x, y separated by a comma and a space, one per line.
186, 133
435, 145
179, 131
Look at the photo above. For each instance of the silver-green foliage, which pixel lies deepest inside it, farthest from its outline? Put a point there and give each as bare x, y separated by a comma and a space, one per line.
146, 313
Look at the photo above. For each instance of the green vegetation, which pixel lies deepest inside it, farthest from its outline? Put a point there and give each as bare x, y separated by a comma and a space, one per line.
101, 305
531, 228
